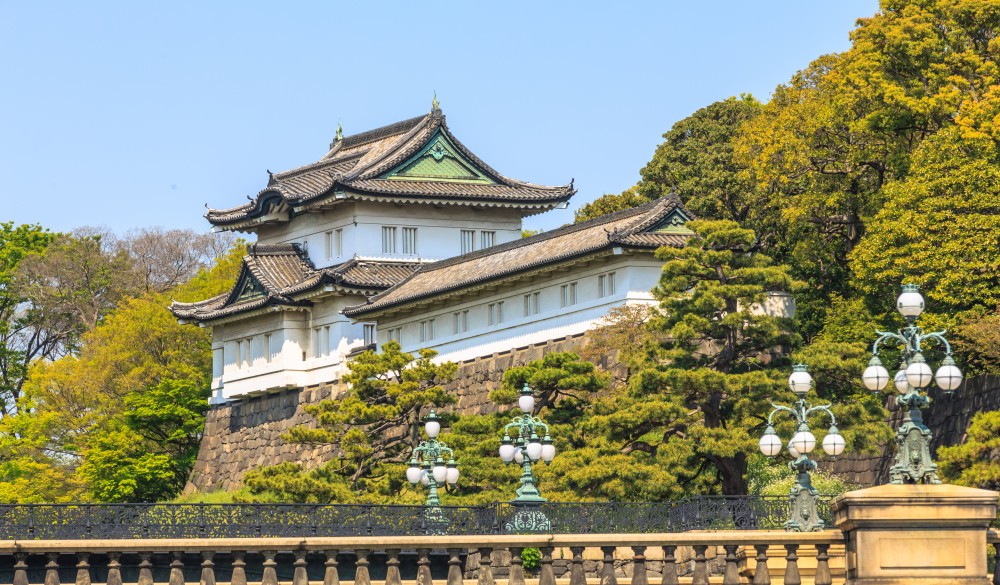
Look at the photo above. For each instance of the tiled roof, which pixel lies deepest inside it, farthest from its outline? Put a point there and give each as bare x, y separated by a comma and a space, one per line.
284, 271
632, 228
357, 164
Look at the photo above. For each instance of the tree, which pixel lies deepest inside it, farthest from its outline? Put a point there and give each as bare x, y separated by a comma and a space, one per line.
610, 203
976, 462
145, 454
165, 259
557, 375
374, 425
23, 337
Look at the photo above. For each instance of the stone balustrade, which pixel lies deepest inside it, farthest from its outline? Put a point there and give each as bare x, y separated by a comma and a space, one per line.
742, 555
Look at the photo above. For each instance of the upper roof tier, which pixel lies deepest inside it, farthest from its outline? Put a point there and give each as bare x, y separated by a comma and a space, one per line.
413, 161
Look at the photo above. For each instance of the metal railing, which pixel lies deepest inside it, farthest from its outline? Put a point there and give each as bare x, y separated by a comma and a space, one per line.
145, 521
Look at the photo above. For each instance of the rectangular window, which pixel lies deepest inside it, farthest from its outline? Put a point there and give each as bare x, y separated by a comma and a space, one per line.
328, 237
460, 322
267, 348
606, 285
409, 240
531, 304
427, 330
567, 294
248, 359
487, 239
600, 286
369, 333
395, 334
388, 240
338, 242
611, 283
495, 311
468, 241
326, 340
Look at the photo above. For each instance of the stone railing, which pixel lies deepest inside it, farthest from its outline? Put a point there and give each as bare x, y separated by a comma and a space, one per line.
689, 558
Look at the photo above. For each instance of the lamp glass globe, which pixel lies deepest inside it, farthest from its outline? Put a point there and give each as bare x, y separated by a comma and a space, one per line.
804, 442
424, 478
770, 444
452, 475
911, 302
440, 473
948, 377
534, 450
413, 475
902, 386
518, 455
507, 452
793, 451
918, 374
800, 382
548, 452
432, 428
834, 444
526, 402
875, 378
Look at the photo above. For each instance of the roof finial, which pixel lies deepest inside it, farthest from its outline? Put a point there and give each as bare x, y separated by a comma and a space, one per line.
435, 106
340, 132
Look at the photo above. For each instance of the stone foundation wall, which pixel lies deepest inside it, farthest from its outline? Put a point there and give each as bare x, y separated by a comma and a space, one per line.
245, 435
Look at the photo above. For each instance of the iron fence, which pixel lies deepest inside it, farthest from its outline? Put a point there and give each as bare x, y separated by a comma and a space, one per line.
133, 521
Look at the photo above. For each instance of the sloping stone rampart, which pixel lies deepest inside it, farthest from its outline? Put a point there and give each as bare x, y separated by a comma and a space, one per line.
245, 435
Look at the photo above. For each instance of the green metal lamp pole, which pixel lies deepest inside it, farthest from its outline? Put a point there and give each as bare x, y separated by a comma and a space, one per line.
913, 463
525, 441
427, 464
803, 497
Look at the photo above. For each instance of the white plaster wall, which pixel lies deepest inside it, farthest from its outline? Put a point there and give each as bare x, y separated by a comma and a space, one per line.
438, 230
635, 276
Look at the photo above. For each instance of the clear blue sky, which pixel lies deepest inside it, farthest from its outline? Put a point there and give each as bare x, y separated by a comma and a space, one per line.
129, 114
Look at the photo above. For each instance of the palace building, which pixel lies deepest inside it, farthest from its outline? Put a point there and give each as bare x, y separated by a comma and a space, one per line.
402, 233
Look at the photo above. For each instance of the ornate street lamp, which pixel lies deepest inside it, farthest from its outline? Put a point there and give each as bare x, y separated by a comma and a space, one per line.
803, 497
913, 463
528, 443
428, 466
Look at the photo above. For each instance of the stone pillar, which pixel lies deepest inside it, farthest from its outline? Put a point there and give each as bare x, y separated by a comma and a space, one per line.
916, 534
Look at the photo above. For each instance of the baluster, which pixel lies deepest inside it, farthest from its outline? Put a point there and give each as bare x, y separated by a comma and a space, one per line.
454, 566
485, 567
361, 576
270, 575
177, 569
608, 576
83, 568
823, 576
669, 566
392, 576
792, 565
114, 569
52, 569
516, 576
424, 566
299, 575
21, 569
639, 566
760, 574
331, 576
145, 569
700, 576
576, 574
546, 576
732, 574
207, 568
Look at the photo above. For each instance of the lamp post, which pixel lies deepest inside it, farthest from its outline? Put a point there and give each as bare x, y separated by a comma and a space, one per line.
803, 496
525, 441
428, 466
913, 463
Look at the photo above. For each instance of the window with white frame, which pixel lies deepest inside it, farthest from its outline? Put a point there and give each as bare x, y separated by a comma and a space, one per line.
468, 241
388, 240
567, 294
268, 356
487, 239
409, 240
460, 321
426, 330
395, 334
369, 333
606, 285
531, 303
495, 313
328, 237
338, 242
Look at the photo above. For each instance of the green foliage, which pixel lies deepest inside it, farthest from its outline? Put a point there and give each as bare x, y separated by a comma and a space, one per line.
531, 558
557, 375
373, 426
976, 462
978, 341
610, 203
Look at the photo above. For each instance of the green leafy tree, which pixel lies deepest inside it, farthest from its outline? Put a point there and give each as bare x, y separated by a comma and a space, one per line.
976, 462
145, 455
373, 425
610, 203
557, 375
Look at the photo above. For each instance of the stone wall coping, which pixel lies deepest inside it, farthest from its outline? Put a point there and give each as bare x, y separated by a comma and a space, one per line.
911, 505
735, 537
